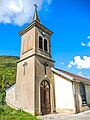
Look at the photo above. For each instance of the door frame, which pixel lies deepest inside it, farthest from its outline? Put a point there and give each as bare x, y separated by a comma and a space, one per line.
51, 96
45, 97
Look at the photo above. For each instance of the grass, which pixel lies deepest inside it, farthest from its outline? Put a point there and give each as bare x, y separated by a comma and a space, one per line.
7, 113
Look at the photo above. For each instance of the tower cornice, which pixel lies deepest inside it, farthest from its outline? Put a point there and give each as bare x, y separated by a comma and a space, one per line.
35, 24
36, 55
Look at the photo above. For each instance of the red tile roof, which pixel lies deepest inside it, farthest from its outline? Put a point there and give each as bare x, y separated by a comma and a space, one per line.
77, 77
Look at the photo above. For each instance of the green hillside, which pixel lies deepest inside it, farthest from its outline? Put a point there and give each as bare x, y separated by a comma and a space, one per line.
7, 113
7, 73
8, 66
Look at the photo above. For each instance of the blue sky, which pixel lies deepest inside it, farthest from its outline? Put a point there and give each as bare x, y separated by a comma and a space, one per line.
68, 19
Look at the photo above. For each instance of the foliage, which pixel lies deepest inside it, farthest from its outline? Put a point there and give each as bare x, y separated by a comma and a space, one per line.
7, 74
7, 113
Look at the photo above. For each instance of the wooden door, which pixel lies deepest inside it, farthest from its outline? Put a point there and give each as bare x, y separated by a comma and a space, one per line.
45, 97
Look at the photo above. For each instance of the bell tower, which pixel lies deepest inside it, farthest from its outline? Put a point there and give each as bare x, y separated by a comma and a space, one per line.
35, 82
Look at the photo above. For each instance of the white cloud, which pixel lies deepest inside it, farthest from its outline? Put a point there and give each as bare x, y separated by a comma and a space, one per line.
88, 37
88, 44
19, 12
81, 74
71, 63
16, 7
69, 66
83, 44
80, 62
62, 63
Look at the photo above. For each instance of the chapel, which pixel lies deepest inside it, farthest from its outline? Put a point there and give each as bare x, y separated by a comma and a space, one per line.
40, 87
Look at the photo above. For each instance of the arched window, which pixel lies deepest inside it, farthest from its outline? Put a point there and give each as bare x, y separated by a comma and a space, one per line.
83, 93
40, 42
29, 43
24, 45
45, 44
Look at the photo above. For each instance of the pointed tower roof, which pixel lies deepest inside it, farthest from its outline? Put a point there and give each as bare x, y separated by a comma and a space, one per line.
35, 22
35, 17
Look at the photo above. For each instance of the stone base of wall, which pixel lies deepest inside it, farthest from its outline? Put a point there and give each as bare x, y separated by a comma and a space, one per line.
17, 108
85, 108
70, 111
12, 105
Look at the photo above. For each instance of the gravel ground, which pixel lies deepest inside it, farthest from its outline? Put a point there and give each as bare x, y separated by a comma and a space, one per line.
81, 116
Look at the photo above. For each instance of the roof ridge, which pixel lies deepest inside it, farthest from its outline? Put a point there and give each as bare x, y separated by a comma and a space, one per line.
71, 73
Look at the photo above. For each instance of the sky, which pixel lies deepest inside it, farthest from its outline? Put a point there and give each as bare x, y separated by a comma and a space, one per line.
68, 19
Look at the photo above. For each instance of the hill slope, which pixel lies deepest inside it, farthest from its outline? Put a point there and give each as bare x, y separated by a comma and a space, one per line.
8, 65
7, 113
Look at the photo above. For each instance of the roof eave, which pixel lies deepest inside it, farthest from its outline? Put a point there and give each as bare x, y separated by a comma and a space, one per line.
78, 80
62, 74
11, 88
37, 24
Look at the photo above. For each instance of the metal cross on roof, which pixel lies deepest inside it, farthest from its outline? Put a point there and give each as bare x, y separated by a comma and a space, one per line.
35, 7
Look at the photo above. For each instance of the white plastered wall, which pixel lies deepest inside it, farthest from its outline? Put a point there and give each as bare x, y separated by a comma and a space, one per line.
10, 97
64, 94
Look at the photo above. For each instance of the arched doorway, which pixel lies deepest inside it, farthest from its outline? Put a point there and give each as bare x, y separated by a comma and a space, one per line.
45, 97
